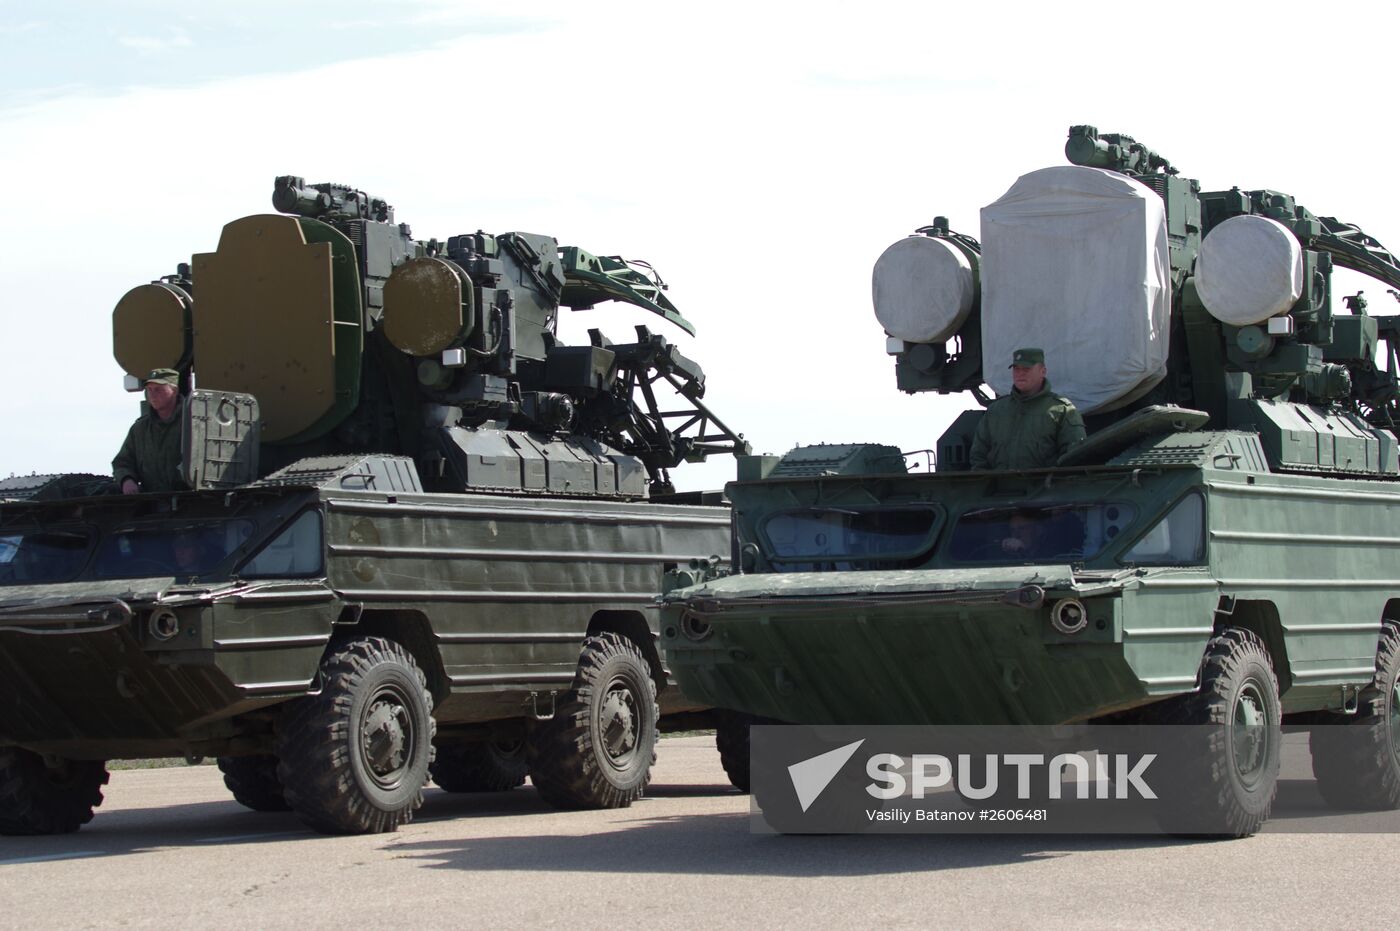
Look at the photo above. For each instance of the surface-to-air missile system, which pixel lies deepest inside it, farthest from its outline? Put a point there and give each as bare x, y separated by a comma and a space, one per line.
418, 525
1222, 548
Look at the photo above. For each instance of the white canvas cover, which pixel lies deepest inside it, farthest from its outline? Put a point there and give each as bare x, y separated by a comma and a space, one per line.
1248, 270
1075, 262
923, 289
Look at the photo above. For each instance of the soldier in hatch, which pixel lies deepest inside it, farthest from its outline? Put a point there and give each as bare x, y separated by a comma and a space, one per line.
1029, 428
149, 460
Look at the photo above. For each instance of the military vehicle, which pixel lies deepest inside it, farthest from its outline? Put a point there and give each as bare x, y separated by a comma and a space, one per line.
1220, 550
421, 534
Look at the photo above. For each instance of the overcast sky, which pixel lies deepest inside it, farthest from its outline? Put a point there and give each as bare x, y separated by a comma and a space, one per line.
760, 155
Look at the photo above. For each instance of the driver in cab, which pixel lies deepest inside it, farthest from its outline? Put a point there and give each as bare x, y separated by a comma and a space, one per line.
1042, 534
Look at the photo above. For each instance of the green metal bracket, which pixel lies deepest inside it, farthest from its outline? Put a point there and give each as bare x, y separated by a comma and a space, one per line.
592, 278
1351, 248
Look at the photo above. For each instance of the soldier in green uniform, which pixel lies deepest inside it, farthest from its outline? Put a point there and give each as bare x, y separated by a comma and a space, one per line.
1029, 428
149, 460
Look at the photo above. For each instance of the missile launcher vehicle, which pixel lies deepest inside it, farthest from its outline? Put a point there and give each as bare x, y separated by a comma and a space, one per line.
1222, 549
417, 533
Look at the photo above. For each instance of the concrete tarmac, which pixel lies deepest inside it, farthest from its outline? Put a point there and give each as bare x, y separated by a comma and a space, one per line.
170, 848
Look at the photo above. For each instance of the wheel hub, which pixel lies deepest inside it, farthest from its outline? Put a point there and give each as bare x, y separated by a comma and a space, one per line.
1250, 733
618, 720
509, 749
384, 736
1393, 719
58, 772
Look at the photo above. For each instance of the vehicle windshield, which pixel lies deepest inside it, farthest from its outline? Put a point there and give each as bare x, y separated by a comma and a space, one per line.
1063, 533
848, 538
190, 549
45, 556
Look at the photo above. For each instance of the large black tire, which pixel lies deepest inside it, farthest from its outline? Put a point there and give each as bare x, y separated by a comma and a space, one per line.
41, 795
1226, 786
732, 742
597, 750
487, 766
354, 758
1356, 760
253, 781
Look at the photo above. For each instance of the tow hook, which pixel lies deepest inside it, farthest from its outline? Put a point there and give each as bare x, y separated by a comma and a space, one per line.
115, 613
1027, 596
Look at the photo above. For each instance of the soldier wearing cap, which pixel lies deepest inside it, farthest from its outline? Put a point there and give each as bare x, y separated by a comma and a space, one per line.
149, 460
1029, 428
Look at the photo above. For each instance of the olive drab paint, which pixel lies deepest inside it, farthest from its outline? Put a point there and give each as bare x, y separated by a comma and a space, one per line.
1220, 548
421, 536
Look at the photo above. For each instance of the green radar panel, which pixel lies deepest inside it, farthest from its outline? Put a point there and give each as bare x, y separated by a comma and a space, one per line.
151, 328
290, 332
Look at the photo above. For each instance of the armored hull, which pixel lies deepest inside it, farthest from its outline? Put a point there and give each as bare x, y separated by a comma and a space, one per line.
889, 626
494, 597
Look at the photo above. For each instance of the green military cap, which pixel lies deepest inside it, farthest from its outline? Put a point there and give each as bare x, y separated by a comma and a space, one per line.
162, 377
1025, 358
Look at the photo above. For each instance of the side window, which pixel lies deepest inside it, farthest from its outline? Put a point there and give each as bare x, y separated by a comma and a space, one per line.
296, 551
1178, 538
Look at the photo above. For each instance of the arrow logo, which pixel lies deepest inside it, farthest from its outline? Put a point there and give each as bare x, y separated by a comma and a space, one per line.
811, 777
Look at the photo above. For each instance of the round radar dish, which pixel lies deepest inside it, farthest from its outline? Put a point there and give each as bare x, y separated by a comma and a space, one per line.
150, 329
1249, 269
427, 306
923, 289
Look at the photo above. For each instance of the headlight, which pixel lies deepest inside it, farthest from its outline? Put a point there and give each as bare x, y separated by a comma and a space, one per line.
1068, 616
163, 624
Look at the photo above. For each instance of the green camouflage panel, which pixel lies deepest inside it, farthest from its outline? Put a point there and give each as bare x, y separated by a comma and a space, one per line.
1026, 432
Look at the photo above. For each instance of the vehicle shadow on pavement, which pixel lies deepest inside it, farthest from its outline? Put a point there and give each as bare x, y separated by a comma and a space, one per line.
691, 791
636, 841
226, 823
1299, 808
440, 806
136, 830
721, 844
446, 806
141, 830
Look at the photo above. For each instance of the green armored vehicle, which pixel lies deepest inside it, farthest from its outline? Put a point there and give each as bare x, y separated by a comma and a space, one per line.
1220, 550
418, 534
